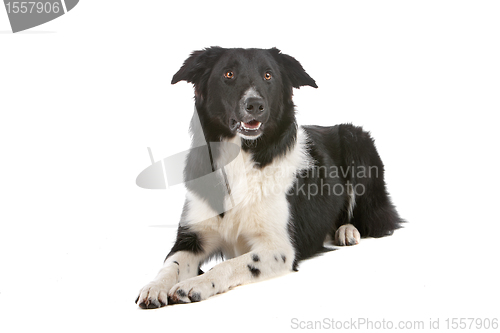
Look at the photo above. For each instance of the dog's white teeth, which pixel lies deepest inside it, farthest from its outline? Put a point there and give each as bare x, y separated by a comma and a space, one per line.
249, 127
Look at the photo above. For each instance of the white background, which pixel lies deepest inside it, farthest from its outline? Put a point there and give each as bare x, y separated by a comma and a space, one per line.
82, 97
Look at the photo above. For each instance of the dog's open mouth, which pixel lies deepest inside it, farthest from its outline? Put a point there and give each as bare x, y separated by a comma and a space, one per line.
251, 126
249, 129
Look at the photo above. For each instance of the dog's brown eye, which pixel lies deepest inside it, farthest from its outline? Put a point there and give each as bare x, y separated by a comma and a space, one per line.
229, 75
267, 76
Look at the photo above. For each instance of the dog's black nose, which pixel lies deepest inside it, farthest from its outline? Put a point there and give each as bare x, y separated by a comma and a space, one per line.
254, 105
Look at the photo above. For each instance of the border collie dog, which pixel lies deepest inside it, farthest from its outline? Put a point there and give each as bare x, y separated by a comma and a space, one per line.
262, 192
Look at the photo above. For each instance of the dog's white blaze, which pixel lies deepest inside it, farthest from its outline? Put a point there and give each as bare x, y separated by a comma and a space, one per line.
251, 92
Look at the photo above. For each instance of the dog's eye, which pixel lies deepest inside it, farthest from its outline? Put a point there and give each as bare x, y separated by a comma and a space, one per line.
267, 76
229, 75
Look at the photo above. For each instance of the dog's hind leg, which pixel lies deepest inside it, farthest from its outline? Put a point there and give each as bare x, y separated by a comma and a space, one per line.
347, 234
370, 209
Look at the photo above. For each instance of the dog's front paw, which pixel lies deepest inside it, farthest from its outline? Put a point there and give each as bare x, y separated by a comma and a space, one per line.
347, 234
153, 295
192, 290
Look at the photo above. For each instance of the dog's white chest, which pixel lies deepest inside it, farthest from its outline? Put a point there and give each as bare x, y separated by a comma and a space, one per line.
256, 201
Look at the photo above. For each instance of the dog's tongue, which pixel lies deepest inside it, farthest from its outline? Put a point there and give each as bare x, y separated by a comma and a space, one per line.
252, 124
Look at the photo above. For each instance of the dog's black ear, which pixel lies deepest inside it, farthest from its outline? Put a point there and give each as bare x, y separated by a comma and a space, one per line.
197, 65
294, 70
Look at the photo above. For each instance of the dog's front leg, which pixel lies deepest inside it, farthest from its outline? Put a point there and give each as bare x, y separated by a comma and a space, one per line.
259, 264
181, 265
183, 262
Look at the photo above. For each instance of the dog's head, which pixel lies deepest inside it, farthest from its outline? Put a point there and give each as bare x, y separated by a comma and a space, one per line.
245, 92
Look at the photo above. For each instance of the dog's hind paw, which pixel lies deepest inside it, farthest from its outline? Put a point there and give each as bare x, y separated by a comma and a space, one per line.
347, 234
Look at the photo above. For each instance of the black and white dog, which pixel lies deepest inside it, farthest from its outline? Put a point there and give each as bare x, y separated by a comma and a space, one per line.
288, 191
